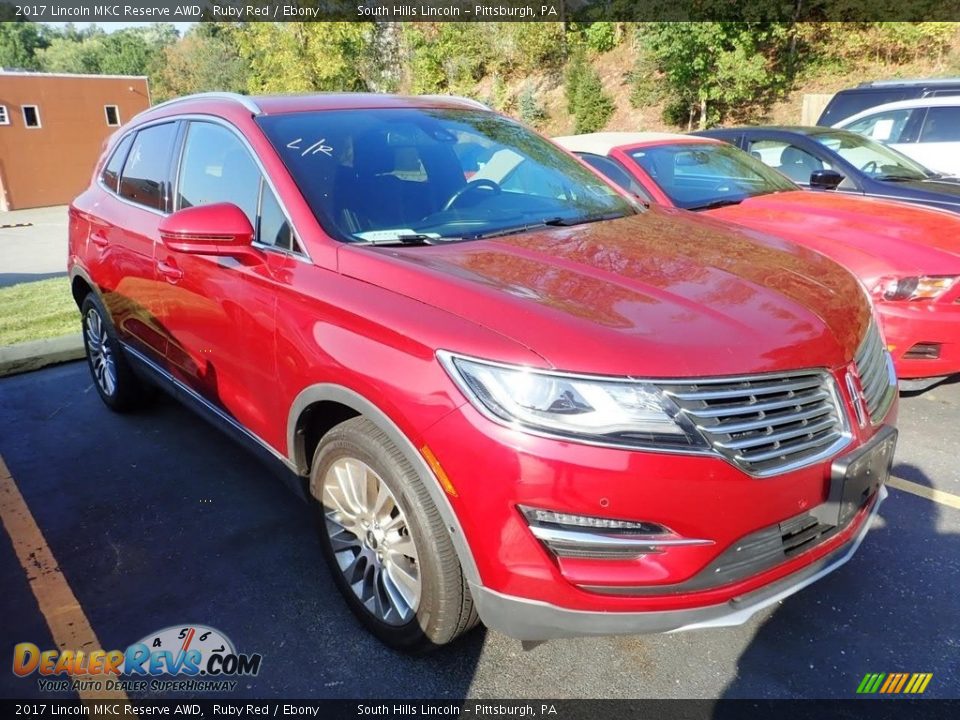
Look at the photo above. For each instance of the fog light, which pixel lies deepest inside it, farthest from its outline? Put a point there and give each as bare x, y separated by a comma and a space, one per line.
923, 351
587, 536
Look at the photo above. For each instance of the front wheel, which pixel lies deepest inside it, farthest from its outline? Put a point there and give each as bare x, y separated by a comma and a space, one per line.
385, 542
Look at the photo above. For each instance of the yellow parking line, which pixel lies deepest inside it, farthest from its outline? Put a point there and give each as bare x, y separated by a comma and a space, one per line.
67, 622
938, 496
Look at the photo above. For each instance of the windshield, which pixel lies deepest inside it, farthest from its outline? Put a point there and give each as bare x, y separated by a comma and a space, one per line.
876, 160
699, 176
423, 175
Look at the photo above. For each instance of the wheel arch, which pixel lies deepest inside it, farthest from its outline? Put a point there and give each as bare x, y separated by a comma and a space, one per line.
80, 286
339, 403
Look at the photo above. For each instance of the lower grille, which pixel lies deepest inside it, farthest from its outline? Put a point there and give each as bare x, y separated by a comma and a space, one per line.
766, 424
755, 553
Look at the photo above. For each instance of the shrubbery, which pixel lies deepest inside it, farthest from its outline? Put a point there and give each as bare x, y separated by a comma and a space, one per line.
588, 103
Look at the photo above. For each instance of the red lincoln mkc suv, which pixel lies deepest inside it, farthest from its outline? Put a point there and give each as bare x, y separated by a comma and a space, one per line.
516, 395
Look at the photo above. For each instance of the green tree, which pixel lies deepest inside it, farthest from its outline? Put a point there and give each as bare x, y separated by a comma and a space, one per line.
447, 56
713, 68
529, 108
19, 43
300, 57
201, 62
593, 107
66, 54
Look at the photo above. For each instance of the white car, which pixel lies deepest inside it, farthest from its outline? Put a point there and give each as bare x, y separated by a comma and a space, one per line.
926, 129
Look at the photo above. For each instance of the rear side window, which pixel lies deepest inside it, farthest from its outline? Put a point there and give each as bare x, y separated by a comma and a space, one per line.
884, 126
111, 173
942, 124
217, 168
848, 103
146, 173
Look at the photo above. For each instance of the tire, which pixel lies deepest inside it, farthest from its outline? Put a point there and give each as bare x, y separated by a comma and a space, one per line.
374, 547
116, 383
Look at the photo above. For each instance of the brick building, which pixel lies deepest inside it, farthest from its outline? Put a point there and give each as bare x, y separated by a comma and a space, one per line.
52, 128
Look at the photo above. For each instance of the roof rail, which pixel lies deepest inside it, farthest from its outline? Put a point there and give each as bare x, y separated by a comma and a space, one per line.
469, 101
911, 81
244, 100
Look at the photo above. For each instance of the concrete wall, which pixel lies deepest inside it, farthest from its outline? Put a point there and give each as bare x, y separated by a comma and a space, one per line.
813, 105
51, 164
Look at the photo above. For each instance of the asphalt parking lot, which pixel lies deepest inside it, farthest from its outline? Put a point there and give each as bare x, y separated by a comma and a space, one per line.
156, 519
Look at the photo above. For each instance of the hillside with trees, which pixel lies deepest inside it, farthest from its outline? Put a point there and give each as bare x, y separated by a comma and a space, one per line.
559, 77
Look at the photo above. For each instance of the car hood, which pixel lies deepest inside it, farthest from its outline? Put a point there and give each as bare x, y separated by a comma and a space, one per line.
662, 294
870, 237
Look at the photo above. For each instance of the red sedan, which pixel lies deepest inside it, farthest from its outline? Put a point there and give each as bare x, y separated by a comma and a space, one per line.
907, 257
512, 393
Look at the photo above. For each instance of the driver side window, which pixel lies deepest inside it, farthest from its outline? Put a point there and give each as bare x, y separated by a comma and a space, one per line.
794, 162
217, 167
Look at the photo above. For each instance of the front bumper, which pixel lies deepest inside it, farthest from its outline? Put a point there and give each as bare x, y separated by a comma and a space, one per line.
533, 620
907, 324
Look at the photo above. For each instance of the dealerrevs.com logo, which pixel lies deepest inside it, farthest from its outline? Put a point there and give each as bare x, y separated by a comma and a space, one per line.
200, 657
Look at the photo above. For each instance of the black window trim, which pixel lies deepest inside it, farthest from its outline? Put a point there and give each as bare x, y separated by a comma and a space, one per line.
6, 115
299, 250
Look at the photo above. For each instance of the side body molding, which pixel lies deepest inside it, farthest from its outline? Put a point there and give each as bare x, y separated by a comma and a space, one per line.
330, 392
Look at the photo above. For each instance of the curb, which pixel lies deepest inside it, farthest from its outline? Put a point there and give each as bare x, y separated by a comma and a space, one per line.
33, 355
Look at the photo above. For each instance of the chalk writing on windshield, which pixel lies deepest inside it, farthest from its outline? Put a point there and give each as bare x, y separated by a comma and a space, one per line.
317, 147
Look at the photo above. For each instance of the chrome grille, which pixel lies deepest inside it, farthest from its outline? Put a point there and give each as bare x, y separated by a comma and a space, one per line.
877, 377
766, 424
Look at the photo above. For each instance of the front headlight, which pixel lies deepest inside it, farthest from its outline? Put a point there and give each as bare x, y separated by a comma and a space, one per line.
609, 411
925, 287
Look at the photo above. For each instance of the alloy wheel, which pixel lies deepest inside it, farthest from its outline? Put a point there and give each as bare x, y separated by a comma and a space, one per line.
371, 541
101, 354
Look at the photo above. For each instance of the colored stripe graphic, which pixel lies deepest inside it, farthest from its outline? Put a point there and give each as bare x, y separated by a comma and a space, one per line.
894, 683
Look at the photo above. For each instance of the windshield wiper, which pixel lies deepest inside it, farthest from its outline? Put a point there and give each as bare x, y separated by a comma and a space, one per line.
570, 222
722, 202
898, 178
547, 222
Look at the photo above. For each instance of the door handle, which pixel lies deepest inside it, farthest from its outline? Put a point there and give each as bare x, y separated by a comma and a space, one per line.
171, 272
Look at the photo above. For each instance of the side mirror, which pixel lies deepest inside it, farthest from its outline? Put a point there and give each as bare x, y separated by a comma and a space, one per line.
825, 179
217, 229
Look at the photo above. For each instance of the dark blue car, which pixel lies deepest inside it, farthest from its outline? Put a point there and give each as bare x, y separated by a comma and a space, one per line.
822, 158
